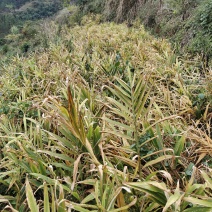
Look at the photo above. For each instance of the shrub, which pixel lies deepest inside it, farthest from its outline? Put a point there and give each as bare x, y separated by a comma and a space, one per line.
2, 41
14, 30
5, 49
25, 47
202, 31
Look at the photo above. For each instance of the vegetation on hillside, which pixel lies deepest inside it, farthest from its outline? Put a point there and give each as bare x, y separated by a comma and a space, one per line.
16, 12
104, 118
185, 22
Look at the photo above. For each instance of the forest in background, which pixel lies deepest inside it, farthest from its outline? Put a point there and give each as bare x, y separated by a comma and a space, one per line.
106, 106
16, 12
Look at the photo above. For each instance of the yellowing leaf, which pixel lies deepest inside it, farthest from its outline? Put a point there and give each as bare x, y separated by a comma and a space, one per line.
195, 201
30, 198
46, 199
158, 160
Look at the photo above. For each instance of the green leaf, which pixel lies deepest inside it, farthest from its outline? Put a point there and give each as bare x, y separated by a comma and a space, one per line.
179, 146
140, 89
119, 134
124, 208
80, 209
49, 180
88, 182
123, 84
30, 198
207, 179
3, 174
195, 201
158, 160
198, 209
123, 108
120, 91
63, 140
42, 167
88, 198
159, 138
121, 94
118, 124
61, 204
189, 169
172, 199
46, 199
56, 155
140, 109
154, 189
201, 96
63, 166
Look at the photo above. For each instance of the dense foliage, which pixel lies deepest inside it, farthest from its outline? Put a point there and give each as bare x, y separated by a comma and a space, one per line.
99, 116
185, 22
9, 4
102, 117
16, 12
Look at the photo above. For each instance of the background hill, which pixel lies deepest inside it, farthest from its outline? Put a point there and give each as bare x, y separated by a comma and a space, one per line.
14, 12
188, 23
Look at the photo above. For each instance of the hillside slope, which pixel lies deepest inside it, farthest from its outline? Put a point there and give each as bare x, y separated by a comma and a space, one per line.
187, 23
107, 118
17, 12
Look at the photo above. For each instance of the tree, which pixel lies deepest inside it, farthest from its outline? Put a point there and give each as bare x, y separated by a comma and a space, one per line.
202, 31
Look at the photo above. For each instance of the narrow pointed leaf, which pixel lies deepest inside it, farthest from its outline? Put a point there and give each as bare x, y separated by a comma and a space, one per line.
46, 199
198, 209
172, 199
120, 106
30, 198
120, 125
123, 84
195, 201
88, 198
126, 207
158, 160
56, 155
179, 146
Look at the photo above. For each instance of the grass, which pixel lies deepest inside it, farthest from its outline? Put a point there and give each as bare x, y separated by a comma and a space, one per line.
107, 118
